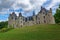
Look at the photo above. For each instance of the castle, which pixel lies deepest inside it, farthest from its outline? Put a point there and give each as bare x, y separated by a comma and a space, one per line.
43, 17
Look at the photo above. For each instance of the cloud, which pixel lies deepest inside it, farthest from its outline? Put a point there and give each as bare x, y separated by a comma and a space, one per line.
5, 5
24, 4
27, 6
53, 3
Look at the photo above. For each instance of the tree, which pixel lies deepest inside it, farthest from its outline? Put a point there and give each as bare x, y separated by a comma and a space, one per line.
57, 15
3, 24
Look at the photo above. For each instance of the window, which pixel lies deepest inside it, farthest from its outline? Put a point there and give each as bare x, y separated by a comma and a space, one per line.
21, 21
49, 15
24, 23
43, 13
49, 20
44, 17
26, 20
44, 21
21, 25
21, 18
38, 18
12, 17
15, 18
39, 22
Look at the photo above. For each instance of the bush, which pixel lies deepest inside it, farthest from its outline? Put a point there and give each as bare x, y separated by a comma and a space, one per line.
5, 29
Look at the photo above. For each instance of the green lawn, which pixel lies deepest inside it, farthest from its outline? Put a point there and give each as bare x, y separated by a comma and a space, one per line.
36, 32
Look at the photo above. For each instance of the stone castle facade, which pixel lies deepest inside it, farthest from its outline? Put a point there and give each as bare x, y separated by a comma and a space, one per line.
43, 17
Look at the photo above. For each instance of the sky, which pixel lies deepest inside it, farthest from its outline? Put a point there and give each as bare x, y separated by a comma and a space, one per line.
26, 7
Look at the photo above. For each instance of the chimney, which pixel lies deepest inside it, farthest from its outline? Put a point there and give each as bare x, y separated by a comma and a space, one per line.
50, 10
20, 15
41, 7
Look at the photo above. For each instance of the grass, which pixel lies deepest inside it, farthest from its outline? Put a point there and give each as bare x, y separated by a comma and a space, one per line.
35, 32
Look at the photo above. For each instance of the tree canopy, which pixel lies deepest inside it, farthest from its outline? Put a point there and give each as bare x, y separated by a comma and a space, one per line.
57, 15
3, 24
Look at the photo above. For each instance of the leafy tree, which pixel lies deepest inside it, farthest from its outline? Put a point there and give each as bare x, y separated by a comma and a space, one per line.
57, 15
3, 24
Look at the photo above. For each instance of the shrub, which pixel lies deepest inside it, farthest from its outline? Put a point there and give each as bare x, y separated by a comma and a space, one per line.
5, 29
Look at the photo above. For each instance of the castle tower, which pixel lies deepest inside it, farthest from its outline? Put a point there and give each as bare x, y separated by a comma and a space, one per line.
9, 22
12, 20
34, 18
51, 18
42, 15
20, 20
20, 15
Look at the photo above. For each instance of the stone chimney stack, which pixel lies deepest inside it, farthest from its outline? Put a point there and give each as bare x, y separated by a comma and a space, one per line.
20, 15
41, 7
50, 10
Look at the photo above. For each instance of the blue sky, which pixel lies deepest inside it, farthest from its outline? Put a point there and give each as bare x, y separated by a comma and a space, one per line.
25, 6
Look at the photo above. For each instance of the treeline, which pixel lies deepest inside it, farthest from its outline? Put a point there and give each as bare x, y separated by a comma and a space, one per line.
3, 24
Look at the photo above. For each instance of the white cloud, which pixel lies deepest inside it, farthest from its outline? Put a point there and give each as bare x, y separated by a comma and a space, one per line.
28, 5
25, 4
53, 3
